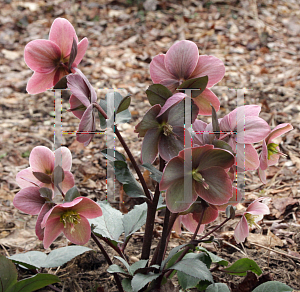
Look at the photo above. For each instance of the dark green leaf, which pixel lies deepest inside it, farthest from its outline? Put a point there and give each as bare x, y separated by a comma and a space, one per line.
116, 269
273, 286
72, 194
140, 280
126, 284
61, 84
8, 274
199, 83
241, 266
186, 281
222, 145
217, 287
113, 155
137, 265
158, 94
155, 173
215, 122
160, 204
73, 54
34, 283
46, 193
202, 285
123, 262
58, 175
42, 177
230, 212
214, 258
124, 104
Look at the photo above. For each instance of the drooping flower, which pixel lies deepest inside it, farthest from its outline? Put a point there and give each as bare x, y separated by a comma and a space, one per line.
81, 103
71, 219
49, 59
270, 151
254, 213
208, 177
41, 170
163, 131
182, 62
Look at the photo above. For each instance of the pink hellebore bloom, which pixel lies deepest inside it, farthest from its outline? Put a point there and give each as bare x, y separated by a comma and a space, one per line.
71, 219
182, 62
270, 151
49, 59
81, 102
41, 170
253, 214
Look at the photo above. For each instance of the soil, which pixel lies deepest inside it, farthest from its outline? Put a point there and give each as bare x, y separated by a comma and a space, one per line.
258, 41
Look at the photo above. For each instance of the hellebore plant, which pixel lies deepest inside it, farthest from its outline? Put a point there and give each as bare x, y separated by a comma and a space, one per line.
197, 182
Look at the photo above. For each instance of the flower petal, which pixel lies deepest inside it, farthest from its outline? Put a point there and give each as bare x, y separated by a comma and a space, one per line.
68, 181
212, 67
87, 125
25, 178
158, 71
263, 157
191, 224
29, 200
41, 159
257, 208
278, 131
177, 225
181, 59
262, 175
204, 102
39, 231
66, 158
40, 82
62, 33
79, 88
52, 230
150, 145
88, 208
246, 156
211, 213
171, 101
76, 103
81, 49
241, 231
42, 55
233, 201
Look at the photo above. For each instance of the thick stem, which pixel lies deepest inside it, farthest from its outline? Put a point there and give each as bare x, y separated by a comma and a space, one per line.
54, 288
139, 174
117, 279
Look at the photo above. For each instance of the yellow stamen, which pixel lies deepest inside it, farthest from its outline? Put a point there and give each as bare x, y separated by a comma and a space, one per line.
70, 218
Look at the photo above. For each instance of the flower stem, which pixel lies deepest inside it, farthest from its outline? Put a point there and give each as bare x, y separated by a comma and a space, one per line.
116, 276
112, 246
213, 230
141, 178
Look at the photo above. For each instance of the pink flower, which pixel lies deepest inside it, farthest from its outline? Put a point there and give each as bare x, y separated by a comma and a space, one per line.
81, 102
182, 62
71, 219
253, 214
270, 151
40, 172
49, 59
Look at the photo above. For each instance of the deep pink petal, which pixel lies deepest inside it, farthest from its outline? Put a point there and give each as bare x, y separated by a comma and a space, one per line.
174, 99
210, 215
25, 178
257, 208
150, 145
81, 233
197, 153
40, 82
42, 55
79, 88
191, 224
75, 103
81, 49
181, 59
171, 84
278, 131
241, 230
29, 201
62, 33
68, 181
212, 67
88, 208
204, 100
87, 125
158, 71
52, 230
39, 231
41, 159
233, 201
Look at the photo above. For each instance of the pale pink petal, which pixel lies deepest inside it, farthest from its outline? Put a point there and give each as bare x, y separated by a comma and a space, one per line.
75, 103
41, 159
263, 158
181, 59
87, 126
29, 200
42, 56
62, 33
274, 158
262, 175
81, 233
88, 208
177, 225
174, 99
278, 131
241, 230
25, 178
246, 156
204, 100
68, 181
81, 49
40, 82
52, 230
66, 158
212, 67
158, 71
191, 224
257, 208
39, 231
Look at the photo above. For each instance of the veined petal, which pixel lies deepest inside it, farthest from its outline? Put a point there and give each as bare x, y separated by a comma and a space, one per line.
204, 100
25, 178
171, 84
88, 208
39, 231
158, 71
81, 49
68, 181
40, 82
62, 33
191, 224
76, 103
262, 175
66, 158
199, 128
150, 145
241, 231
79, 88
177, 225
278, 131
211, 214
181, 59
87, 124
246, 156
263, 158
233, 201
52, 230
257, 208
42, 55
29, 200
212, 67
173, 171
171, 101
41, 159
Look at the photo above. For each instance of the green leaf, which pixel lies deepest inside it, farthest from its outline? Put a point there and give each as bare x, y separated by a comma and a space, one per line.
116, 269
199, 83
158, 94
202, 285
42, 177
241, 266
217, 287
58, 175
140, 280
126, 284
135, 219
222, 145
46, 193
155, 173
215, 122
124, 104
160, 204
273, 286
34, 283
8, 274
186, 281
34, 259
113, 155
109, 225
72, 194
137, 265
230, 212
171, 254
123, 262
193, 267
73, 53
214, 258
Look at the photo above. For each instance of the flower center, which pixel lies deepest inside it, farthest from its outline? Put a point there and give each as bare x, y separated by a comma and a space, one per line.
251, 219
167, 129
70, 218
198, 177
